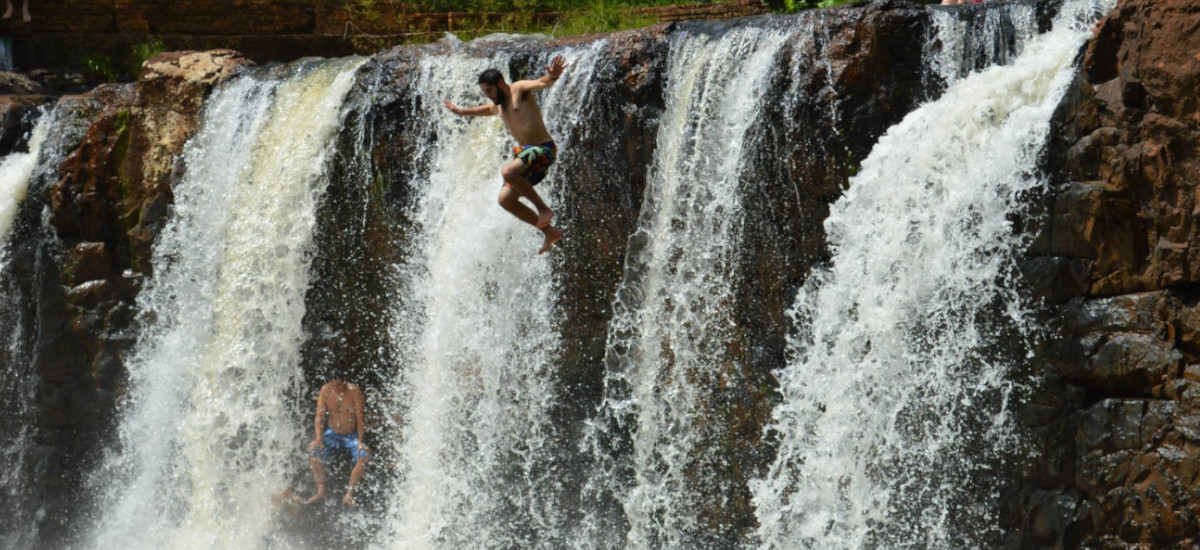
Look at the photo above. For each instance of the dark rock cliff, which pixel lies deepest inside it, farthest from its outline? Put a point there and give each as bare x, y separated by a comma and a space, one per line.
1117, 424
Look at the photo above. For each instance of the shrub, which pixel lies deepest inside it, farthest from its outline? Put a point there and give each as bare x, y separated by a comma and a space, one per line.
142, 51
99, 66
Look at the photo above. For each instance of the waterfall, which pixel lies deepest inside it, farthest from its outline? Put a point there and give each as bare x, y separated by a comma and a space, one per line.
208, 432
958, 46
894, 422
18, 383
668, 340
15, 171
477, 324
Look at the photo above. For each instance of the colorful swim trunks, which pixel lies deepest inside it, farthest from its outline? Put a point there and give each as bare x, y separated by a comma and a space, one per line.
331, 441
537, 160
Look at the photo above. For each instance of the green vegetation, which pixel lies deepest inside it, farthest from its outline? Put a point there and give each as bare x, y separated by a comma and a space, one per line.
599, 16
540, 6
99, 66
144, 50
102, 67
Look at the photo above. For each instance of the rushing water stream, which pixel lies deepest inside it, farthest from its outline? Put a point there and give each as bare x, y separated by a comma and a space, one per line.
890, 424
894, 420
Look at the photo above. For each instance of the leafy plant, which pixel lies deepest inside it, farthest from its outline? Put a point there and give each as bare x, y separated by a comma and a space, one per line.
146, 50
600, 16
143, 51
100, 66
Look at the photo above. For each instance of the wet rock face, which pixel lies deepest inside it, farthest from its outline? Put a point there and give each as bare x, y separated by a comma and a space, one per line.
1117, 425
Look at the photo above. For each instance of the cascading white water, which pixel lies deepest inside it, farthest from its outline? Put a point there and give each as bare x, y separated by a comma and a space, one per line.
477, 329
894, 410
18, 384
15, 171
207, 432
954, 49
670, 330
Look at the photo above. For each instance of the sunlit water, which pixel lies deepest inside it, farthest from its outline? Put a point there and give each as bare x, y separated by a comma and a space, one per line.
207, 430
895, 422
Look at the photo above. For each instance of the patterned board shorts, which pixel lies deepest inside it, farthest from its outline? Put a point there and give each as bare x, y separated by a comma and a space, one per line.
537, 160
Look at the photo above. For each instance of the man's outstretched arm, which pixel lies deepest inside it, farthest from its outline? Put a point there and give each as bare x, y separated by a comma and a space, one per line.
553, 71
482, 110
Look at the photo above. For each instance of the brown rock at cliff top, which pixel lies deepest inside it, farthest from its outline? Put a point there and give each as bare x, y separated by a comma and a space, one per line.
113, 186
1137, 127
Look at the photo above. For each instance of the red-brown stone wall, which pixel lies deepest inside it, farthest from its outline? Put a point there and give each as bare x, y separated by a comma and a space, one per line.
64, 32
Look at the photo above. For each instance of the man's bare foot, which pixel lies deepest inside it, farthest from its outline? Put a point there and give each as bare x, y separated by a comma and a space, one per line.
8, 12
544, 217
317, 497
553, 235
348, 500
25, 14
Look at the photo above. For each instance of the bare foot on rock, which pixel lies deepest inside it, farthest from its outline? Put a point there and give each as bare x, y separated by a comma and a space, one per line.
317, 497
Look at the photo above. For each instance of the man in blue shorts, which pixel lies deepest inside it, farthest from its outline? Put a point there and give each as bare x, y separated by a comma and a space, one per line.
342, 403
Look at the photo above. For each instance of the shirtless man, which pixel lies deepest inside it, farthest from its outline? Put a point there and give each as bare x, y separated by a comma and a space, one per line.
535, 150
343, 404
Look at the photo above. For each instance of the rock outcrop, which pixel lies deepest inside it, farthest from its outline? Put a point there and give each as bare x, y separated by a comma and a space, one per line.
1118, 421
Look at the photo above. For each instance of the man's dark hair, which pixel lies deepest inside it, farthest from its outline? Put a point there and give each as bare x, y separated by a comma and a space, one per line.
491, 76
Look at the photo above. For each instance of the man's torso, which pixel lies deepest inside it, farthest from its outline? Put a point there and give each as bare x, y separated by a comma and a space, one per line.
340, 404
523, 118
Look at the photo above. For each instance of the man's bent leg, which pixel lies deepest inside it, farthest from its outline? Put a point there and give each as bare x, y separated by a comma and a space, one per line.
510, 201
356, 475
318, 470
514, 176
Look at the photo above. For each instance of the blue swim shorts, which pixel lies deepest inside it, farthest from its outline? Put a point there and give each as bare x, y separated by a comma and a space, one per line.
332, 441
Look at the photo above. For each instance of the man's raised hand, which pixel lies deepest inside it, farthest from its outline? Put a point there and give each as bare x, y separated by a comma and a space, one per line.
556, 66
453, 108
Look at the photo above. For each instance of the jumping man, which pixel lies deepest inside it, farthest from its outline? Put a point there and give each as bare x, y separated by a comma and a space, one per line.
535, 151
343, 404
